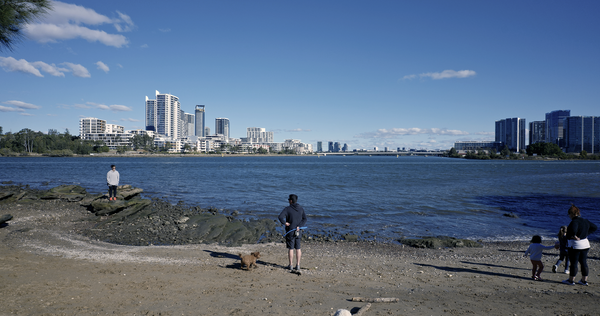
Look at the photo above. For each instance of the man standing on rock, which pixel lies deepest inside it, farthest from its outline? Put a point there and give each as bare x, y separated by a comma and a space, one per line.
112, 180
293, 217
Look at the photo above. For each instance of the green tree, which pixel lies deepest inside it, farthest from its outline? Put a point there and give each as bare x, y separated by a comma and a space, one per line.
505, 151
14, 15
583, 154
453, 153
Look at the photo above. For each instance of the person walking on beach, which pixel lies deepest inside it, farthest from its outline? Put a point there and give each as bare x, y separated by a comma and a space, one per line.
562, 246
535, 251
293, 217
577, 233
112, 180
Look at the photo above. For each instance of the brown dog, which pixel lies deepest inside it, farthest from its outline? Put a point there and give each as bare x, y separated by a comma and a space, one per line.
249, 260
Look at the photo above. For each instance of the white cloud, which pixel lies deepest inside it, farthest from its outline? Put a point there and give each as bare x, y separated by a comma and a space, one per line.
297, 130
21, 65
114, 107
395, 132
10, 109
165, 30
129, 120
102, 66
78, 70
65, 22
443, 75
22, 105
26, 114
144, 46
51, 69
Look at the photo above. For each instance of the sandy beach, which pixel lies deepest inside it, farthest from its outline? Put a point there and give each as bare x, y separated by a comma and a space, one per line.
47, 268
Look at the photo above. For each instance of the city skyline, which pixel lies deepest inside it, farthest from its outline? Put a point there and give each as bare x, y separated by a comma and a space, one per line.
383, 74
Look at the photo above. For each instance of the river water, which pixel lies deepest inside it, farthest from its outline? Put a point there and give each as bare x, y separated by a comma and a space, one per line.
385, 197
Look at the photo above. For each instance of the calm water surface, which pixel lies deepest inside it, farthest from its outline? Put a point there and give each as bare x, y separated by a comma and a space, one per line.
387, 197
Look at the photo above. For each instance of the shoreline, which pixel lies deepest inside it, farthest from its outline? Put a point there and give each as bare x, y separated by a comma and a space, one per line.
47, 268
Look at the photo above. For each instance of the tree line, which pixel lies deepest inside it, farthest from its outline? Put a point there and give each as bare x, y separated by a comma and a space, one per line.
27, 141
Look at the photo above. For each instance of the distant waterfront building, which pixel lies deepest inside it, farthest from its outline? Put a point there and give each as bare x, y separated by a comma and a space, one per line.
200, 114
112, 135
222, 127
330, 147
188, 125
206, 131
511, 132
319, 147
345, 147
554, 126
90, 125
258, 135
537, 132
163, 115
336, 147
478, 145
581, 133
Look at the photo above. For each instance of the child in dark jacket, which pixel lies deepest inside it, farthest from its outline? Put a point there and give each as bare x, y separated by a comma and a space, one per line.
562, 244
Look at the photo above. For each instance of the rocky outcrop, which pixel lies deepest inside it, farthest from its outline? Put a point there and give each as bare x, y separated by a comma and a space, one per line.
134, 220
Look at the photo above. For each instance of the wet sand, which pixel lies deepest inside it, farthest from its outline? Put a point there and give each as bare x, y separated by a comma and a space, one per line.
46, 268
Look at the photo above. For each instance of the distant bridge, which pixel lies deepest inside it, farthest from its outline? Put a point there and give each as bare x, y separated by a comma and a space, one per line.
386, 153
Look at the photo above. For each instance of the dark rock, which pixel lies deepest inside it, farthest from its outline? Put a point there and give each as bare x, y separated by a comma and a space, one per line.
5, 218
439, 242
71, 193
350, 237
512, 215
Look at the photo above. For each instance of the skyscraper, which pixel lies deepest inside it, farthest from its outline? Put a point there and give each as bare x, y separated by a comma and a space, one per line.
581, 133
554, 126
537, 132
163, 115
319, 147
188, 124
222, 127
200, 121
511, 132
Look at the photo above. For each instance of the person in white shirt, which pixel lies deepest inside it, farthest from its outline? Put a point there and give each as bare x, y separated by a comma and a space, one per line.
112, 180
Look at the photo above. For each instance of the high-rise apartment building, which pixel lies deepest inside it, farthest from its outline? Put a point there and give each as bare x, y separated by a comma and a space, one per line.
511, 132
581, 133
319, 147
222, 127
91, 125
206, 131
537, 132
554, 126
330, 147
188, 124
258, 135
200, 121
163, 115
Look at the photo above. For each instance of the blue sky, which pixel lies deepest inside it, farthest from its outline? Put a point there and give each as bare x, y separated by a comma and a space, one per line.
415, 74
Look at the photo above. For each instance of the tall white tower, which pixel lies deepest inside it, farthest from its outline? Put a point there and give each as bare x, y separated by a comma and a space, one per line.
163, 115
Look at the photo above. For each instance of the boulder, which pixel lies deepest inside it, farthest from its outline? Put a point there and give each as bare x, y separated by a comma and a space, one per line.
5, 218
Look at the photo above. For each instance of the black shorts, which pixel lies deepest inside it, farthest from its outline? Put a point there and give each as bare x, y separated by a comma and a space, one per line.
293, 242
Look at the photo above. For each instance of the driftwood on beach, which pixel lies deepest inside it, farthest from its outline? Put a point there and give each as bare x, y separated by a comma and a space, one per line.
376, 299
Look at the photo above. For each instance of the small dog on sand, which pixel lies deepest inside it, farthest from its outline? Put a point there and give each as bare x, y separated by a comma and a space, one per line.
249, 260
